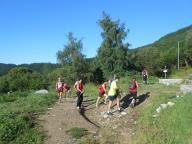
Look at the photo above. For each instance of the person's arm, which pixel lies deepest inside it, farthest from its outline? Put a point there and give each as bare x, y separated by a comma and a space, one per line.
137, 85
75, 86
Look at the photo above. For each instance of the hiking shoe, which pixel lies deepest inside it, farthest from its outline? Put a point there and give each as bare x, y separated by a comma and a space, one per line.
119, 110
109, 114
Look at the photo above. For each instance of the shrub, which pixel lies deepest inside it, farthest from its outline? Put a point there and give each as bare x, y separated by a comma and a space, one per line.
21, 79
12, 125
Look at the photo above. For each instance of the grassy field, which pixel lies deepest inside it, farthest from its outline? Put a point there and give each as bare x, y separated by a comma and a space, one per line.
185, 73
17, 117
173, 125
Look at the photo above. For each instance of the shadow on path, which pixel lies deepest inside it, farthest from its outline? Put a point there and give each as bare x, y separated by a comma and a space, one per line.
82, 112
127, 99
142, 98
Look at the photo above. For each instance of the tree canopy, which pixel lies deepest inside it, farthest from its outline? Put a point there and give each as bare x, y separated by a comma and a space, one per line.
112, 54
73, 61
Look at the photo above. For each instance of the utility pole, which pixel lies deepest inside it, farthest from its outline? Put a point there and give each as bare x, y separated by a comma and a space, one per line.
178, 56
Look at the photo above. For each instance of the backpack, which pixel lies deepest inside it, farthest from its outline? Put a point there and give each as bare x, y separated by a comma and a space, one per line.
132, 85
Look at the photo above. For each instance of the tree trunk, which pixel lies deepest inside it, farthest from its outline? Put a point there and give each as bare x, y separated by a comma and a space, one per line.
186, 63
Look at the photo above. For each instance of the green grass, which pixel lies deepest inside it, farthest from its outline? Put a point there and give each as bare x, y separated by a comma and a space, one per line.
17, 117
185, 73
77, 132
174, 124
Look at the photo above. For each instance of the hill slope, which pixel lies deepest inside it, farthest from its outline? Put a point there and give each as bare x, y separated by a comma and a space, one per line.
164, 51
43, 68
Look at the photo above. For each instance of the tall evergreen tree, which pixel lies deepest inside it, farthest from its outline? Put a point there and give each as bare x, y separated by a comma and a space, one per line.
72, 59
112, 53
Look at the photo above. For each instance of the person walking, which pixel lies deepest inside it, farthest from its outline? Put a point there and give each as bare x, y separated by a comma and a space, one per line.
66, 90
133, 91
59, 89
145, 76
113, 94
102, 92
80, 91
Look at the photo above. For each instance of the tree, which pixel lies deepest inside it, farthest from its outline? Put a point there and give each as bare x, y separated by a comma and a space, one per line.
21, 79
188, 51
73, 60
112, 53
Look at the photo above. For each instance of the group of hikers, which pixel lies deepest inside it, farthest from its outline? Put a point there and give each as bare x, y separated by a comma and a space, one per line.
113, 94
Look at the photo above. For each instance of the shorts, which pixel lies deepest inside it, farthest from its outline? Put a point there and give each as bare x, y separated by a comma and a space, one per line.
112, 98
60, 90
101, 94
133, 94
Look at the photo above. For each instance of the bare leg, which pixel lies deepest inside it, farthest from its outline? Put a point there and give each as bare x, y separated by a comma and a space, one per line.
98, 101
60, 97
106, 96
118, 103
109, 106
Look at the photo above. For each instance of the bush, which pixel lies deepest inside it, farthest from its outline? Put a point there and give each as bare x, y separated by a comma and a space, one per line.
4, 85
12, 125
21, 79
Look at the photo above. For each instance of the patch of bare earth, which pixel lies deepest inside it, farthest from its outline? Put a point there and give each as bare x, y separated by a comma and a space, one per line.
60, 118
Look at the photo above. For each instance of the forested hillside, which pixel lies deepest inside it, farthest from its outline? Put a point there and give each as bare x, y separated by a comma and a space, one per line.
164, 52
4, 68
43, 68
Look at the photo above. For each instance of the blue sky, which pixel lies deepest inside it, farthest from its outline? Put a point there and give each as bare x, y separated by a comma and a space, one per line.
34, 30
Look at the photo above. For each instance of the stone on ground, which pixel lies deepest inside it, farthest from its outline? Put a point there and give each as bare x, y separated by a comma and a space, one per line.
43, 91
170, 81
186, 88
170, 103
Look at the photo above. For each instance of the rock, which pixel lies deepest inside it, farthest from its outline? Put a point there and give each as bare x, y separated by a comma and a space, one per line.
158, 109
164, 106
105, 116
43, 91
186, 88
170, 103
188, 82
123, 113
170, 81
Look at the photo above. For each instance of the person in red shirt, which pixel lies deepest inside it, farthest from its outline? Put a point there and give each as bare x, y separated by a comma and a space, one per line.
79, 89
102, 92
66, 90
59, 89
133, 91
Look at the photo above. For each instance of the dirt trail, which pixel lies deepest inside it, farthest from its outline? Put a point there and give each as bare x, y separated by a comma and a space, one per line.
61, 117
117, 129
